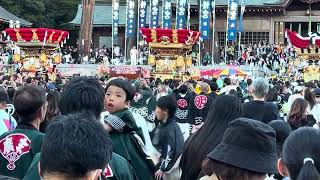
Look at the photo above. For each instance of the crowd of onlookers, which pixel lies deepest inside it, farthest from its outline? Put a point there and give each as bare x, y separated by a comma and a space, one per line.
70, 55
142, 129
270, 57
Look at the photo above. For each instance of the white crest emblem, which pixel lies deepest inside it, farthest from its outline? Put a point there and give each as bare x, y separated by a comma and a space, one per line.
137, 97
13, 147
200, 101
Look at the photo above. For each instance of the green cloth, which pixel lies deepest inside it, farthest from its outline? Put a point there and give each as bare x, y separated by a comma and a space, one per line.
120, 168
33, 173
142, 98
151, 108
126, 145
24, 161
144, 104
207, 59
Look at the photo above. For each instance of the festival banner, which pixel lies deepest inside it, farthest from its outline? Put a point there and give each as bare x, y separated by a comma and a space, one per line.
181, 14
243, 8
142, 14
213, 9
154, 9
166, 14
205, 19
130, 19
232, 19
115, 18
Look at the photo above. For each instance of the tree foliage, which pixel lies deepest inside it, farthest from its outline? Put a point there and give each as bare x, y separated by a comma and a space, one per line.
43, 13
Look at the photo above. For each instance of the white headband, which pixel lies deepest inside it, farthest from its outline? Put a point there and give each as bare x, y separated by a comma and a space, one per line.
307, 160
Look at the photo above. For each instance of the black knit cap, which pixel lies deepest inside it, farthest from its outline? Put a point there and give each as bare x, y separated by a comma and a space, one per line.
248, 144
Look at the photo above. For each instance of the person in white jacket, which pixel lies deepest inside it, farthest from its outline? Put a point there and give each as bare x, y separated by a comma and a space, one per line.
315, 111
298, 93
7, 122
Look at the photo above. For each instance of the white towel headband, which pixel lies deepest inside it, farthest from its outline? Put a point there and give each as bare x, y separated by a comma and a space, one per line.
307, 160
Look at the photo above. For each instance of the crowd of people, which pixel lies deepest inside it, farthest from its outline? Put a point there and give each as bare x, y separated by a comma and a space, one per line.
70, 55
143, 129
270, 57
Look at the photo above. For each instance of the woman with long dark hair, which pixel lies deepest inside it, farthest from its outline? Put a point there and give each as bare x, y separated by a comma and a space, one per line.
310, 97
301, 155
298, 115
222, 111
53, 99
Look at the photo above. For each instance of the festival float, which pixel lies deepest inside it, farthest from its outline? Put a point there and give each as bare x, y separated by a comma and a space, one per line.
308, 50
169, 50
36, 49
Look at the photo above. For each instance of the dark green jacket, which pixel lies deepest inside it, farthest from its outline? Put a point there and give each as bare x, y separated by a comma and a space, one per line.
144, 104
22, 144
126, 145
119, 169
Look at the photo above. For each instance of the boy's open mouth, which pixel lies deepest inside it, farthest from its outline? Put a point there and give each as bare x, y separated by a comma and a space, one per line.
110, 105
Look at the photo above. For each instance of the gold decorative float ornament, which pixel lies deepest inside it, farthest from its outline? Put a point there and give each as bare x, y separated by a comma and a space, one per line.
60, 37
35, 37
165, 40
18, 36
16, 58
152, 60
175, 36
180, 61
154, 35
51, 37
189, 61
43, 58
57, 59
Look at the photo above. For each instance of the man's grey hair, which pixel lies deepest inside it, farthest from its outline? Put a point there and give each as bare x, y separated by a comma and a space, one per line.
260, 87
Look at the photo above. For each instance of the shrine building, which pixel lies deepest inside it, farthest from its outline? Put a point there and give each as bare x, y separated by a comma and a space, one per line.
264, 20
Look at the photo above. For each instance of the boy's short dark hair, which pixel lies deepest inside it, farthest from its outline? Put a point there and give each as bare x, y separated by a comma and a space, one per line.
82, 94
29, 80
74, 145
4, 98
123, 84
27, 101
168, 103
227, 81
183, 89
11, 91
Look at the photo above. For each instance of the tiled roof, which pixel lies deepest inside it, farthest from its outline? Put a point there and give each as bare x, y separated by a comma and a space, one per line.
7, 16
103, 15
103, 12
218, 2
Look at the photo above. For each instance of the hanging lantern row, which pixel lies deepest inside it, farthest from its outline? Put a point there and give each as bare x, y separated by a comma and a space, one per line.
267, 9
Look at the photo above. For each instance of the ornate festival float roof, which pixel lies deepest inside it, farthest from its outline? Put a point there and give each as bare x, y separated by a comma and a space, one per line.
168, 50
37, 36
303, 42
36, 47
305, 46
165, 40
